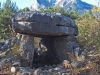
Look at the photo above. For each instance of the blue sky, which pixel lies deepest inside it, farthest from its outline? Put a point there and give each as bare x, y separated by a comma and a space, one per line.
27, 3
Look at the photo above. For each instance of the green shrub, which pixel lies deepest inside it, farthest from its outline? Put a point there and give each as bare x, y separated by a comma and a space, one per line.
89, 31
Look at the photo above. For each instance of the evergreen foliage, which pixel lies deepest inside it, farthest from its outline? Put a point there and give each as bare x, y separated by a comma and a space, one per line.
25, 9
5, 14
73, 14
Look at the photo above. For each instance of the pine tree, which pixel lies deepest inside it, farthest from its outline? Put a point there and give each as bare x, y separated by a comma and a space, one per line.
25, 9
0, 5
74, 14
5, 15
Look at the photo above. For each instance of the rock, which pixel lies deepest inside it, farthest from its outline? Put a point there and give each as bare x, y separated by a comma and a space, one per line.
12, 59
13, 41
4, 47
54, 70
50, 67
8, 52
57, 68
43, 17
54, 65
50, 24
13, 69
55, 73
17, 63
42, 29
79, 53
78, 64
46, 66
26, 50
22, 73
3, 62
25, 70
62, 49
18, 36
62, 71
71, 38
61, 67
51, 70
48, 74
81, 57
66, 64
67, 48
76, 51
38, 71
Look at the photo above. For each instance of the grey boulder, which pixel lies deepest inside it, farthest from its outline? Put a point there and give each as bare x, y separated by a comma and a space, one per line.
37, 23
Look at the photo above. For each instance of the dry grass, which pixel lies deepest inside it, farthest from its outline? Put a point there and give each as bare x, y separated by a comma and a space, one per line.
92, 68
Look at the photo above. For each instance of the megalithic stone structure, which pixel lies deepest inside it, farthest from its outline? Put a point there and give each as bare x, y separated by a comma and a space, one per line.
62, 29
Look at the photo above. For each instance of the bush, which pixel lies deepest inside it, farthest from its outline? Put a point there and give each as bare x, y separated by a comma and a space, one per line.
89, 31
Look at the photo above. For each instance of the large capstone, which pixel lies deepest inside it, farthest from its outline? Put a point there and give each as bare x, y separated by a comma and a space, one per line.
36, 23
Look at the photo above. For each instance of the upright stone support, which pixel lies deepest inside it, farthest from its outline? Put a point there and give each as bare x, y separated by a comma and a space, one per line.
26, 50
65, 47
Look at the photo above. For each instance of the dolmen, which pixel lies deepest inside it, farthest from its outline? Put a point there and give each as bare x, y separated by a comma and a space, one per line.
58, 33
